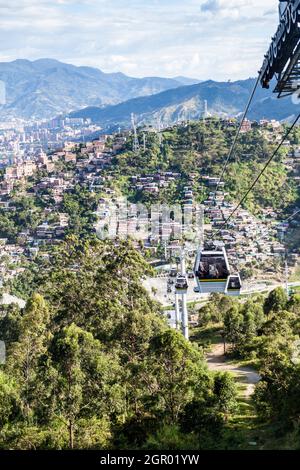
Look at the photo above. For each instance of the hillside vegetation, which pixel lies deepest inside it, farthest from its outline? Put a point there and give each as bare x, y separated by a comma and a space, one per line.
91, 363
201, 149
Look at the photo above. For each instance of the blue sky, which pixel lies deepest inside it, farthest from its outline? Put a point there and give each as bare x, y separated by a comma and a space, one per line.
218, 39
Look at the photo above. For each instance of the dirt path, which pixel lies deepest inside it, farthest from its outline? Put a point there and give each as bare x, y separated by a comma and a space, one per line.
245, 375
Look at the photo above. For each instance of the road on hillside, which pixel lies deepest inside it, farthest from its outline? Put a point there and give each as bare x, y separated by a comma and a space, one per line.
158, 289
245, 375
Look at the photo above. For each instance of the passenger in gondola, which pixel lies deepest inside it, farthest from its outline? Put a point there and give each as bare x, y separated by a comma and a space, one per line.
266, 84
213, 272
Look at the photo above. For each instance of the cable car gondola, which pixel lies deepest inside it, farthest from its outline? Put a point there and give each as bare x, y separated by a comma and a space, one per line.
181, 285
212, 271
234, 285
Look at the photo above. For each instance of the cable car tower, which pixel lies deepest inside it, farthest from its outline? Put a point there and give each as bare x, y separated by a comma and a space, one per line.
181, 288
160, 137
282, 60
136, 145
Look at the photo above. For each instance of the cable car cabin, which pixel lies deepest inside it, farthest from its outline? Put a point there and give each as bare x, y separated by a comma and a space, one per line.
181, 285
212, 271
234, 285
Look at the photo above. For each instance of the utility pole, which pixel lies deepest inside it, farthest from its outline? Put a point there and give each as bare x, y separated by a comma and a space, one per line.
166, 250
136, 145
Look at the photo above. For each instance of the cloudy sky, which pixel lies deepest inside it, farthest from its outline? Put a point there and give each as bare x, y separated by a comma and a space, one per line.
219, 39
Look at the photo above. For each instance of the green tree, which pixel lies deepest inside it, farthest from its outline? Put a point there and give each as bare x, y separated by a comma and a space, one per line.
25, 353
233, 325
84, 390
225, 394
179, 373
9, 400
276, 301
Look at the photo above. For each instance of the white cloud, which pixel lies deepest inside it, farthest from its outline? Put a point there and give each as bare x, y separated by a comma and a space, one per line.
218, 39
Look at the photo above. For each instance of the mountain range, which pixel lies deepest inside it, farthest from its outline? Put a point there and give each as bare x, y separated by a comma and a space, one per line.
44, 88
224, 99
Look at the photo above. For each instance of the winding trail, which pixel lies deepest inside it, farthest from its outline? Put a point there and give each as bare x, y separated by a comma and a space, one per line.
244, 375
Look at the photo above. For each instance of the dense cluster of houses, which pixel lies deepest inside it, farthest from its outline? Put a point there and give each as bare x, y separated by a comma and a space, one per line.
154, 182
50, 177
248, 240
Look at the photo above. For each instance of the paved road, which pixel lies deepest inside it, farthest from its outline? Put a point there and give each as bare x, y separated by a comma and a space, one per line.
245, 375
160, 286
256, 289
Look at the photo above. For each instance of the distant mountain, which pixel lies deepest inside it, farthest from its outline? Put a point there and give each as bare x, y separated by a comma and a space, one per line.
224, 99
45, 88
187, 81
